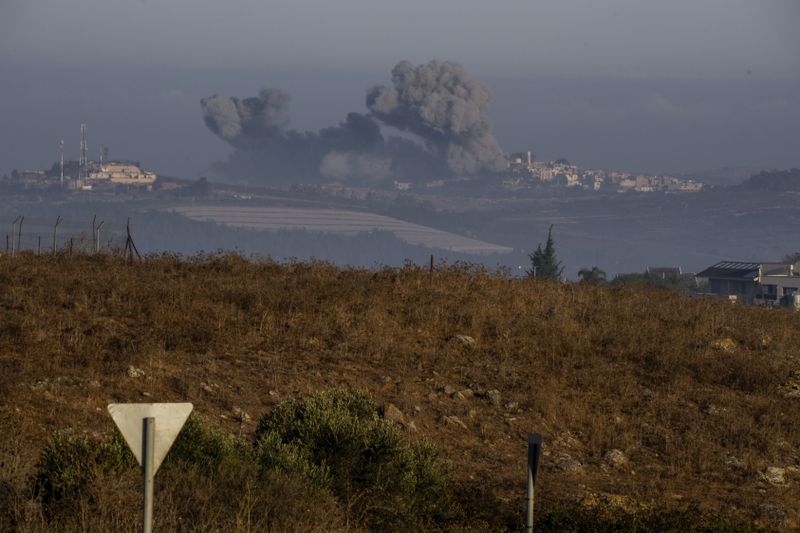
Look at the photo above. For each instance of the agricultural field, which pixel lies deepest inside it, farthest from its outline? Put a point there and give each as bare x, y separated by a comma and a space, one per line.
340, 222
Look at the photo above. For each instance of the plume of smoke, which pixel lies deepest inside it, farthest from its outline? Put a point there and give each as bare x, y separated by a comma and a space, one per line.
437, 102
445, 107
356, 166
241, 121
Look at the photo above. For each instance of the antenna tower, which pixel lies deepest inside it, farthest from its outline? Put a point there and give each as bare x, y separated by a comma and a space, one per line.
61, 147
83, 170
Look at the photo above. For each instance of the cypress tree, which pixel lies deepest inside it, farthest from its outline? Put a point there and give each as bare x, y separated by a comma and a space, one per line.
544, 263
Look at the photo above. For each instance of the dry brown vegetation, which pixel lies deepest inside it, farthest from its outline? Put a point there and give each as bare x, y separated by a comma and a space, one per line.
689, 390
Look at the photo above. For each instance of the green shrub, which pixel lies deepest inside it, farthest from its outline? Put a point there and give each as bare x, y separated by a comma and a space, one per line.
275, 455
198, 443
70, 463
383, 482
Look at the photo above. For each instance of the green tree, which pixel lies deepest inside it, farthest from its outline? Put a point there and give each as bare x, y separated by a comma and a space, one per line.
544, 263
592, 275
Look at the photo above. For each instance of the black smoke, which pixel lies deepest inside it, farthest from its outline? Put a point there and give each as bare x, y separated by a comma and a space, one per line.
440, 109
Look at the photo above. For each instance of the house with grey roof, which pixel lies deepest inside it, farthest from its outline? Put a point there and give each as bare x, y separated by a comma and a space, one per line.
776, 283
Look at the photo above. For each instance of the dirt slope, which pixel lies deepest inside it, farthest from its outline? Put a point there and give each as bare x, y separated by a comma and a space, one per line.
643, 397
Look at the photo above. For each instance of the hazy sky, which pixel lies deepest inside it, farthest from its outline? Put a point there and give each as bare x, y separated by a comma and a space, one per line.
567, 70
684, 38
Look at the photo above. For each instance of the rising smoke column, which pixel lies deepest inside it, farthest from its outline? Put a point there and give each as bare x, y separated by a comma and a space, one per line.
446, 108
257, 128
437, 102
241, 121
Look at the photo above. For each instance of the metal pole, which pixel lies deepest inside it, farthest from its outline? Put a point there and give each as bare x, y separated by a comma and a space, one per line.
13, 235
55, 230
148, 473
19, 238
94, 233
534, 451
97, 239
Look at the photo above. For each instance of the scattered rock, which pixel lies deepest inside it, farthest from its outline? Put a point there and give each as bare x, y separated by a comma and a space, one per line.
463, 340
774, 475
493, 396
392, 413
453, 421
273, 394
569, 465
735, 464
615, 458
765, 342
207, 388
617, 501
145, 394
467, 393
133, 372
611, 501
511, 406
590, 501
410, 426
449, 390
432, 396
791, 389
42, 384
726, 345
240, 415
713, 410
472, 413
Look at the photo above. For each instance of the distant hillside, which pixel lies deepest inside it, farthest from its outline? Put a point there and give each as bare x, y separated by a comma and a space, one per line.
659, 412
724, 176
774, 180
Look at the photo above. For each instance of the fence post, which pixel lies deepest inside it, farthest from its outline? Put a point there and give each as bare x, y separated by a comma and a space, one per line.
19, 235
55, 230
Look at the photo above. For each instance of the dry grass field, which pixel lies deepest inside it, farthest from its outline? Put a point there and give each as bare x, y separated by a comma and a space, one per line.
648, 401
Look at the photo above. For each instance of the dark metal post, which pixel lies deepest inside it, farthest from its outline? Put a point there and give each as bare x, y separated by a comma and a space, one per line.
55, 230
94, 233
13, 235
534, 452
148, 472
19, 235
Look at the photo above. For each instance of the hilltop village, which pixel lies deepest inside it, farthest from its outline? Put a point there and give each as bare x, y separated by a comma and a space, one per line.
524, 173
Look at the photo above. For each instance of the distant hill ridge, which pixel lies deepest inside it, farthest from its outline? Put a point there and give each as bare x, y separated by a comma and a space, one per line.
774, 180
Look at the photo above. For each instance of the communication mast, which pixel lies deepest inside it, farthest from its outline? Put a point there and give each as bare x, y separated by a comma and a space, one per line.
83, 164
61, 146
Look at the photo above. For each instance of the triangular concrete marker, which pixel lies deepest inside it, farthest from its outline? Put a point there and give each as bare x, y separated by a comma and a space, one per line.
169, 419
